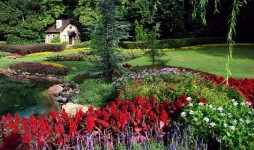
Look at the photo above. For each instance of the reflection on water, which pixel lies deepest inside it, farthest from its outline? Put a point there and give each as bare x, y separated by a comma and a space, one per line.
24, 97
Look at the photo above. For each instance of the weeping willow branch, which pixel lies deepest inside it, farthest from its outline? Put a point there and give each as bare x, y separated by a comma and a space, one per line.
235, 10
232, 31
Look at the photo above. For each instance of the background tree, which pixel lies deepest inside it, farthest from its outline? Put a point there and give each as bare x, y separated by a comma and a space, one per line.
106, 36
24, 22
154, 54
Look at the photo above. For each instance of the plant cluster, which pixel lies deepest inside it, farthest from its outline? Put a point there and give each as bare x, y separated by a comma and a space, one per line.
73, 57
3, 54
174, 43
96, 92
82, 44
40, 68
120, 122
244, 86
31, 48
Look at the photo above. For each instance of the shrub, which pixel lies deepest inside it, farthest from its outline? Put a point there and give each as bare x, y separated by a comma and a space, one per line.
56, 39
2, 42
3, 54
82, 44
96, 92
40, 68
74, 57
31, 48
175, 43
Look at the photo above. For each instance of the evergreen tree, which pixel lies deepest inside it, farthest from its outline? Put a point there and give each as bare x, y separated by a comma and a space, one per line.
107, 34
154, 54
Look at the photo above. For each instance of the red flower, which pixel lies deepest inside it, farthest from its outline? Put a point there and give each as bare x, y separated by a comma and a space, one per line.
153, 98
139, 115
178, 103
201, 100
164, 116
153, 116
26, 137
90, 122
73, 128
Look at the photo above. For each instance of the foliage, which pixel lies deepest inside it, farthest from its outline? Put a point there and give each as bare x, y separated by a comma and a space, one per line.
174, 43
28, 19
73, 57
96, 92
31, 48
154, 54
229, 123
56, 39
3, 54
2, 42
140, 34
40, 68
106, 36
82, 44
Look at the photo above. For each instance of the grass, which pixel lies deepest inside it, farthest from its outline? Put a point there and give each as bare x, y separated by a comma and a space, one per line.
36, 58
210, 58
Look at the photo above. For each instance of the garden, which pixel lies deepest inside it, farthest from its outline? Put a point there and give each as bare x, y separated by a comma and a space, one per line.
136, 81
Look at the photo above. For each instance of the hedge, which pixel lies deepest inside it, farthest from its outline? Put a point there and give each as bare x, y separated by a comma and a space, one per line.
31, 48
82, 44
175, 43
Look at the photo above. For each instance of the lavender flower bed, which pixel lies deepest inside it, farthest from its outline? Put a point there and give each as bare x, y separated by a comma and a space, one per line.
40, 68
151, 73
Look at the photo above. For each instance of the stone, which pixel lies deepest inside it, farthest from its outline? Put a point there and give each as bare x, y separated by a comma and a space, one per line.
71, 108
59, 98
54, 90
64, 99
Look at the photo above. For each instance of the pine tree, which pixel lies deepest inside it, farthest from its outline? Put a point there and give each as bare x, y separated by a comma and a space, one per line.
154, 54
106, 36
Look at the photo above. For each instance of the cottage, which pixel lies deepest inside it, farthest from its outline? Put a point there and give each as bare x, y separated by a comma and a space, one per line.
65, 29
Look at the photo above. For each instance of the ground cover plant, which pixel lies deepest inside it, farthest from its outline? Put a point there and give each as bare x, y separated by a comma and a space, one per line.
40, 68
3, 54
81, 56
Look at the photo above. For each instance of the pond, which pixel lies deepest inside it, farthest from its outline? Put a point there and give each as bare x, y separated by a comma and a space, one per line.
25, 97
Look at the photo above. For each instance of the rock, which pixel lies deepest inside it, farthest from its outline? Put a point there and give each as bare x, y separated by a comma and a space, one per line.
58, 98
71, 108
65, 89
64, 99
77, 92
54, 90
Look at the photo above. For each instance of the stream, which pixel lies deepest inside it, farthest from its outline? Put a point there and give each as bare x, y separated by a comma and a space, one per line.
25, 97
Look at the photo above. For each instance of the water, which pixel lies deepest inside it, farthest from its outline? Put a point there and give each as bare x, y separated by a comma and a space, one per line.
25, 97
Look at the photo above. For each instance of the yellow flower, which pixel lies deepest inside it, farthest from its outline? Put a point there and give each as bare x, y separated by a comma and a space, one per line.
38, 54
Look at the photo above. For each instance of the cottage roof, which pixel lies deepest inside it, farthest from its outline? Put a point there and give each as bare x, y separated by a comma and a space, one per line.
52, 28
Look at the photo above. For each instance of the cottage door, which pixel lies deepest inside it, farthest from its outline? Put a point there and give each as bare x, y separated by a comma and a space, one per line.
70, 40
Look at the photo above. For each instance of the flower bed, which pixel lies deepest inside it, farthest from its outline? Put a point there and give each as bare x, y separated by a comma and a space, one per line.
40, 68
118, 122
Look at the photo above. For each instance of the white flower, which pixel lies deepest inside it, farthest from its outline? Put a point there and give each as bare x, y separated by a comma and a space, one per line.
232, 127
195, 119
190, 104
235, 103
247, 121
222, 114
200, 104
219, 109
191, 112
210, 106
206, 119
183, 114
212, 124
233, 100
235, 121
242, 103
248, 103
189, 99
249, 112
241, 119
225, 125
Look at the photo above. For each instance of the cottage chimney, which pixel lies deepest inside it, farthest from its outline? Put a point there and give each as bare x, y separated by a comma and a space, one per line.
59, 24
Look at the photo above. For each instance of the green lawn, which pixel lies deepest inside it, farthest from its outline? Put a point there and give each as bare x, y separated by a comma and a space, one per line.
6, 62
208, 58
211, 59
